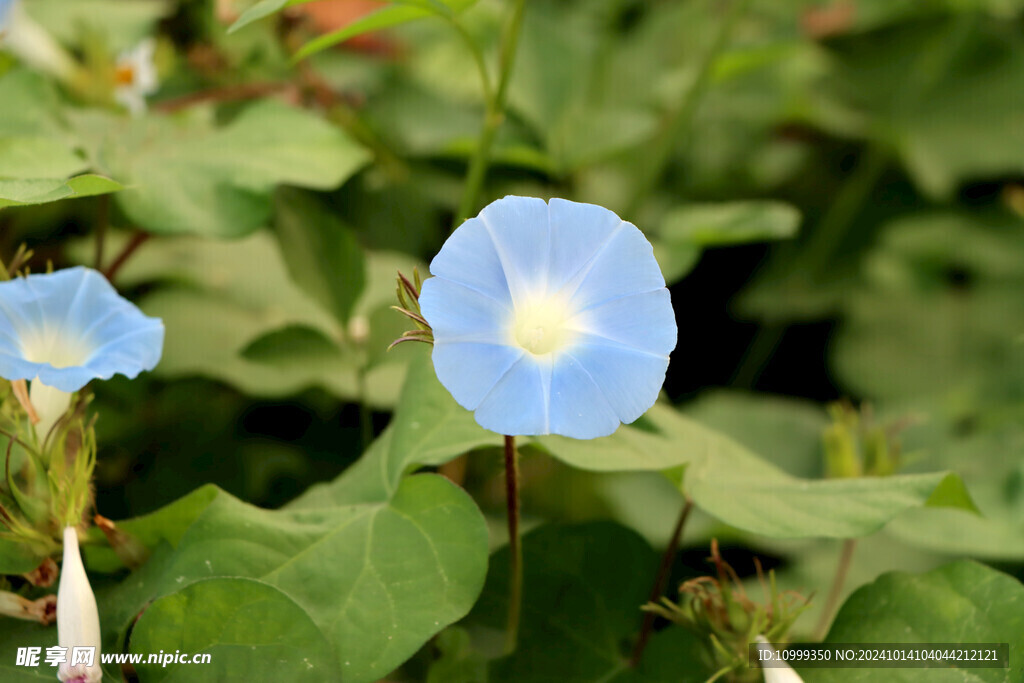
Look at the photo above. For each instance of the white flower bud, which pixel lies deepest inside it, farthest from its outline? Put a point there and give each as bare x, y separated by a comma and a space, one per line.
782, 674
78, 622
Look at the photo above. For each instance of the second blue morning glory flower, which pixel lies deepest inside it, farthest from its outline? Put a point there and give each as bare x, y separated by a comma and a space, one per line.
549, 318
61, 330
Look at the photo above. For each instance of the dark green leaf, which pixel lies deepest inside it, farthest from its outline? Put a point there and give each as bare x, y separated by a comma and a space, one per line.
296, 346
250, 629
322, 254
582, 591
963, 602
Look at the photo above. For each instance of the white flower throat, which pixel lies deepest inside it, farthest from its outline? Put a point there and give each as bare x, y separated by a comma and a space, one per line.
541, 326
57, 349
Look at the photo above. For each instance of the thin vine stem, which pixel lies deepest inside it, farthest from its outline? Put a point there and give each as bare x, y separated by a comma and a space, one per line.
493, 117
836, 591
660, 581
136, 241
515, 592
478, 57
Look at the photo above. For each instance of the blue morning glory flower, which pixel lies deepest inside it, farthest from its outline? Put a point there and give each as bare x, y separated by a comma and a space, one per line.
549, 318
62, 329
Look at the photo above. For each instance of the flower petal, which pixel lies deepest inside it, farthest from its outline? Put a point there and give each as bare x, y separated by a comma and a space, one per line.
575, 275
469, 371
469, 258
519, 228
126, 349
518, 402
624, 265
629, 379
578, 233
458, 313
71, 326
578, 406
642, 321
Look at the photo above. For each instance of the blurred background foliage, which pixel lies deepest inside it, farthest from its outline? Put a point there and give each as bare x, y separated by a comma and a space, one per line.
834, 189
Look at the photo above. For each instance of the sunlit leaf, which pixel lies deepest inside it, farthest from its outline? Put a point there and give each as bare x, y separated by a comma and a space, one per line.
356, 589
187, 177
22, 192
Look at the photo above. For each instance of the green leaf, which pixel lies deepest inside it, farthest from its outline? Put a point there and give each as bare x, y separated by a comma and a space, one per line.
392, 14
30, 108
962, 602
728, 223
942, 290
676, 260
218, 299
121, 25
957, 532
918, 84
260, 10
375, 579
995, 481
21, 192
164, 526
15, 633
783, 430
38, 157
558, 73
386, 17
641, 446
251, 630
765, 501
187, 177
17, 558
730, 482
428, 428
296, 347
583, 586
322, 254
457, 662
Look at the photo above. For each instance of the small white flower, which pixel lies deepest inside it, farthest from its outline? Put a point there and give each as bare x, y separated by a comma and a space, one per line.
779, 674
135, 76
78, 621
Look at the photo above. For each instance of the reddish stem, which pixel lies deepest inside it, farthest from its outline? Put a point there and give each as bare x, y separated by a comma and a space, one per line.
137, 240
658, 589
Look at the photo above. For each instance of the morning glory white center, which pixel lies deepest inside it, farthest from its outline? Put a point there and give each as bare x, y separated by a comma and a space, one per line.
57, 350
540, 326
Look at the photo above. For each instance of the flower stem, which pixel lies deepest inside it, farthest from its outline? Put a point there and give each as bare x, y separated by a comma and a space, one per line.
478, 57
515, 592
136, 241
836, 591
493, 116
658, 589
